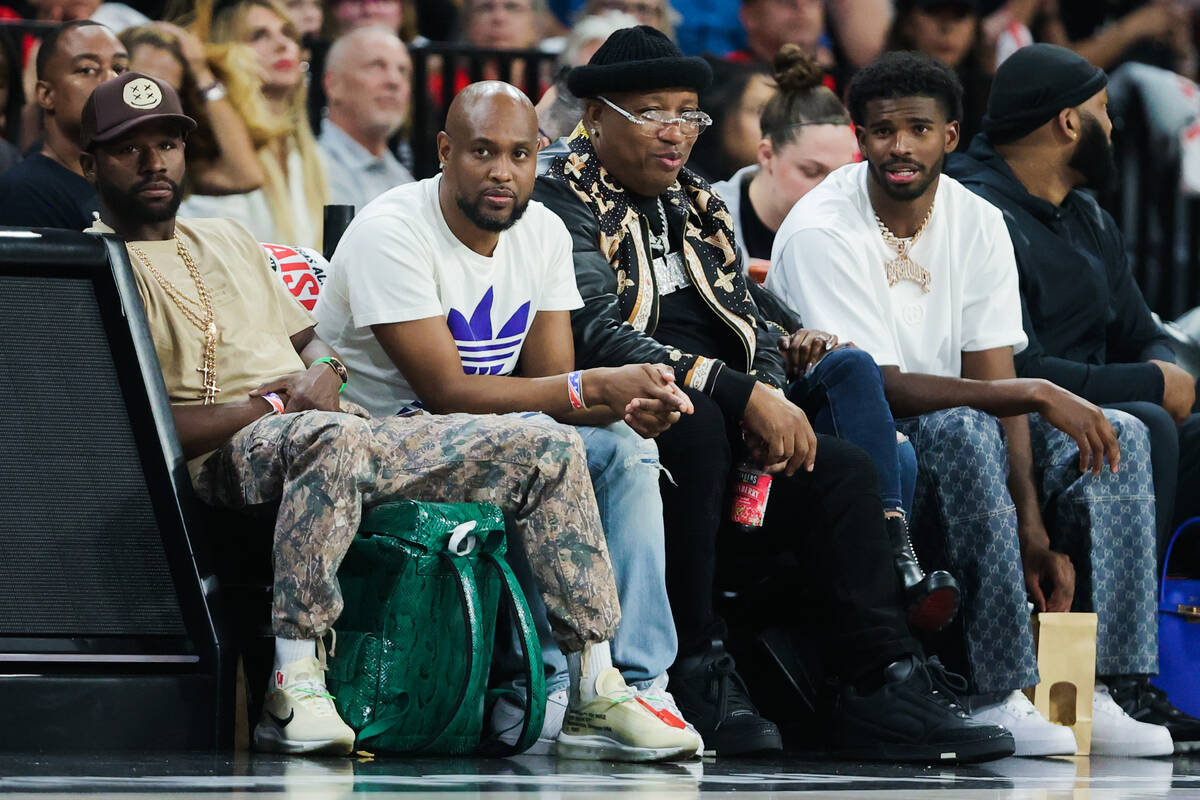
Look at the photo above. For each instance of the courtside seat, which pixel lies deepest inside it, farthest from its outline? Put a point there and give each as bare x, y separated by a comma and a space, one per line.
111, 628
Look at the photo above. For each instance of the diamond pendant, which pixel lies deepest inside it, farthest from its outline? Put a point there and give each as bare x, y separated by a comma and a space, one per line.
903, 268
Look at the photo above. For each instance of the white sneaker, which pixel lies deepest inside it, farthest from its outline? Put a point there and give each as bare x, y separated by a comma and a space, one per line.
1115, 733
1033, 734
299, 715
662, 702
508, 716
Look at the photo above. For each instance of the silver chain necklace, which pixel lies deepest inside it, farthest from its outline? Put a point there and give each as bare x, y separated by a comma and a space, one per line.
659, 242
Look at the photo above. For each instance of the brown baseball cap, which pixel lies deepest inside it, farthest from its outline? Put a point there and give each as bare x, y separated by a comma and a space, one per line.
126, 101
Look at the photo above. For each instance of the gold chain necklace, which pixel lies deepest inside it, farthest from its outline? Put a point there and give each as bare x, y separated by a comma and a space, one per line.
198, 312
902, 267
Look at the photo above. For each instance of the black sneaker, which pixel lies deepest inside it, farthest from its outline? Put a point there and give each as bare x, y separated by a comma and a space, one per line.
915, 716
1145, 702
712, 696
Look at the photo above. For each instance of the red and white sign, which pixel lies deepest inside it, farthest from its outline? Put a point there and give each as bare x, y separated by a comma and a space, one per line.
301, 269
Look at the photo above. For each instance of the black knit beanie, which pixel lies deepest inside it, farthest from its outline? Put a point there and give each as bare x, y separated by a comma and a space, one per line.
640, 59
1033, 85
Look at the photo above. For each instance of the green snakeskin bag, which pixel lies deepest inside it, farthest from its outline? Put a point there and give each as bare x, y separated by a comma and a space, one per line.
423, 584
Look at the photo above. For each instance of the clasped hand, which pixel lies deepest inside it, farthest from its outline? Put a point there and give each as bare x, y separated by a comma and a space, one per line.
645, 395
313, 389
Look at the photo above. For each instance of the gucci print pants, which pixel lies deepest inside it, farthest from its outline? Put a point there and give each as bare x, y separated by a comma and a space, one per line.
964, 520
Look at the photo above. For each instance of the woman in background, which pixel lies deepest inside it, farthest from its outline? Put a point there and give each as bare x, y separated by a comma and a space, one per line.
950, 31
735, 101
805, 135
220, 155
267, 86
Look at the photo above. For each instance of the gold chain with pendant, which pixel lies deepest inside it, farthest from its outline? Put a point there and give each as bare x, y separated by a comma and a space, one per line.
198, 312
902, 267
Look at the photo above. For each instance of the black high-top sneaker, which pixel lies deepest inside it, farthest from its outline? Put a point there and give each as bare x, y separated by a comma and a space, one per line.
931, 601
712, 696
915, 715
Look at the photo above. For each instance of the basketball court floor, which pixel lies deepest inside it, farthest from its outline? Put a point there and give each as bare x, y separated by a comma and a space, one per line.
242, 775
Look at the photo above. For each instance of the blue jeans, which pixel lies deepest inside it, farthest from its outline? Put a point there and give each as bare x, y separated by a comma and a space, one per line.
965, 520
843, 397
625, 472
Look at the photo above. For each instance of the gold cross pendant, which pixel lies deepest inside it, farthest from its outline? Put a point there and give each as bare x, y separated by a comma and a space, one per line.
210, 393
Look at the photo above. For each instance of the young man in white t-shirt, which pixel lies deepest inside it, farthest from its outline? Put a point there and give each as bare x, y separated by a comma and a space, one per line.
920, 272
441, 290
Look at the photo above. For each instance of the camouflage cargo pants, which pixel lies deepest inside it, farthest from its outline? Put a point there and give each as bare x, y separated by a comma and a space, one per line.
323, 467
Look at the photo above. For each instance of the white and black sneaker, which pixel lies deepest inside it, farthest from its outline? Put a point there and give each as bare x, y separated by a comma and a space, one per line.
508, 716
1145, 702
299, 715
915, 715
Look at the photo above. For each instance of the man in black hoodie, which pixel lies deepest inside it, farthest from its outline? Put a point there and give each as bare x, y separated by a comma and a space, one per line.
1045, 137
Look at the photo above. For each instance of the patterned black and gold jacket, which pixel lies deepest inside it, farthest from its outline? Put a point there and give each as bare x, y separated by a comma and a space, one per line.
616, 279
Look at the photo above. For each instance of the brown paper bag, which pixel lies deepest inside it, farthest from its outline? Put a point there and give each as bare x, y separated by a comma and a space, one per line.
1066, 654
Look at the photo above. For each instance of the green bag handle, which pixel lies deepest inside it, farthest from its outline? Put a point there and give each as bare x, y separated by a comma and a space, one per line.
535, 675
477, 668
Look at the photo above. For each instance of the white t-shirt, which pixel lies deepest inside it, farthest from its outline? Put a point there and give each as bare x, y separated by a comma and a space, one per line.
828, 264
398, 261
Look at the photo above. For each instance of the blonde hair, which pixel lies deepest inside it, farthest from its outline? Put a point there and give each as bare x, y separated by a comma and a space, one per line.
236, 65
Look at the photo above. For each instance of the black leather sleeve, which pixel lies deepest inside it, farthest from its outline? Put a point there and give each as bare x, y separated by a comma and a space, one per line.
602, 336
774, 311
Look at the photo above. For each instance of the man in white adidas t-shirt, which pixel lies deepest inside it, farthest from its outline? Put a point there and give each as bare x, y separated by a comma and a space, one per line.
441, 290
919, 271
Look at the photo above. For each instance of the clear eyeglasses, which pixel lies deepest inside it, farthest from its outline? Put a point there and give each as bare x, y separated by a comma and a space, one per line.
651, 123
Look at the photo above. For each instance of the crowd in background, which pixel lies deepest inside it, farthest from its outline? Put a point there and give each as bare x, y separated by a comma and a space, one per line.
298, 107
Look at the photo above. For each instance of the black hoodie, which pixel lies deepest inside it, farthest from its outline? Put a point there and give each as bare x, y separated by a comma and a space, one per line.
1090, 331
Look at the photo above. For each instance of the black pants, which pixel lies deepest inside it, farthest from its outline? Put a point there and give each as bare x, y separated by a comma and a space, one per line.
831, 519
1175, 455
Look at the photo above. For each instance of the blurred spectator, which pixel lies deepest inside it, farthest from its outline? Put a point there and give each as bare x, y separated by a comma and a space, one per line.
707, 27
593, 30
343, 16
368, 82
498, 25
859, 28
559, 111
949, 31
735, 101
504, 24
47, 189
220, 154
289, 208
655, 13
306, 15
770, 24
10, 84
1158, 32
116, 16
806, 134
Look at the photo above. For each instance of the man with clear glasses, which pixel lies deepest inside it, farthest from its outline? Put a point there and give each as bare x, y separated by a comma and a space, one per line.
661, 281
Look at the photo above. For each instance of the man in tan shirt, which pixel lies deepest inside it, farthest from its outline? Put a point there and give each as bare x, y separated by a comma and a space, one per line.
255, 396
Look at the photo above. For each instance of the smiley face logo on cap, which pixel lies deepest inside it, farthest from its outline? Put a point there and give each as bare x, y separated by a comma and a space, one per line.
142, 94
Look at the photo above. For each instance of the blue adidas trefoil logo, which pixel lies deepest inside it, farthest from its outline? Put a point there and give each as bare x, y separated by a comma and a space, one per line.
482, 353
